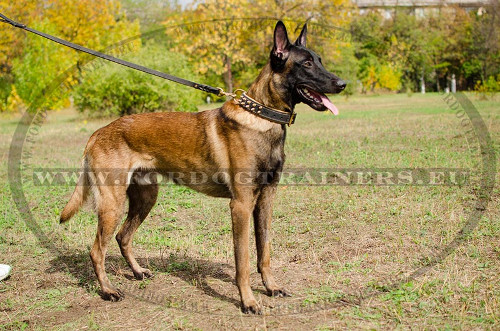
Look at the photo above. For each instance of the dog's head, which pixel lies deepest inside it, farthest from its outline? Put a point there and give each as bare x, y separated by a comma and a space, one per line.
300, 73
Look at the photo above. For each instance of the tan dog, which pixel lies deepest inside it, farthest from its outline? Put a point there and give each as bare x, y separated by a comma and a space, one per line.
221, 144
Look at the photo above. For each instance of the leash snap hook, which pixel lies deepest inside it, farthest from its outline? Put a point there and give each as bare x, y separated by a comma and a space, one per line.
221, 92
236, 95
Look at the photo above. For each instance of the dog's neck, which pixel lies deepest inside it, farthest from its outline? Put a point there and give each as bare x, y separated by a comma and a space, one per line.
269, 91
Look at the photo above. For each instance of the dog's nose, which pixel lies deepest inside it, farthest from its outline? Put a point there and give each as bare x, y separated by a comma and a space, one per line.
341, 84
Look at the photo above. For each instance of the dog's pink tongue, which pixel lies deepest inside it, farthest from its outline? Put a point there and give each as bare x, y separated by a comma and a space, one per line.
328, 104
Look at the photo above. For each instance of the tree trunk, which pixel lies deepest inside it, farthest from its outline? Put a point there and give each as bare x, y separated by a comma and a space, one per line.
228, 75
422, 83
438, 86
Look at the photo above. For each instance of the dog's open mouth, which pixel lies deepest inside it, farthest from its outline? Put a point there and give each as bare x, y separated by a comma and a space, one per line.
316, 100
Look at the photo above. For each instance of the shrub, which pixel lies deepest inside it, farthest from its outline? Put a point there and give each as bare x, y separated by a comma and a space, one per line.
116, 90
5, 88
491, 85
488, 88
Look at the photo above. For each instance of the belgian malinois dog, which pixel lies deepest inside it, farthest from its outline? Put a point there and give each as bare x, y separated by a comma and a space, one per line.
229, 138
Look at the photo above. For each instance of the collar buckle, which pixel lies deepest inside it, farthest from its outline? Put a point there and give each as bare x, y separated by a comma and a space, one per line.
292, 118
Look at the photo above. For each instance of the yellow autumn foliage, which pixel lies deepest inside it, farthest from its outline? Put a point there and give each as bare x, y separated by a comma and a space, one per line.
220, 35
14, 101
35, 62
389, 77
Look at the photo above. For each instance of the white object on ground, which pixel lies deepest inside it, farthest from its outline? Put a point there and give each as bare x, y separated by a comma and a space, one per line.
4, 271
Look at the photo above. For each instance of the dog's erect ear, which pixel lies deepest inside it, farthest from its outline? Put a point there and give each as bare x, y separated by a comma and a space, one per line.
301, 40
281, 48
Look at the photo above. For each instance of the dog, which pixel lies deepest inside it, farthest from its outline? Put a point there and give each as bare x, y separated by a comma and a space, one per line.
231, 138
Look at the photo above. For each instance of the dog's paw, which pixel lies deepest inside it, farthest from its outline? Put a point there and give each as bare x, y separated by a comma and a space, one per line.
143, 273
251, 308
113, 295
280, 293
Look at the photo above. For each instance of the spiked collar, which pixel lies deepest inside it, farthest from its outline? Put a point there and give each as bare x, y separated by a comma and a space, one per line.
270, 114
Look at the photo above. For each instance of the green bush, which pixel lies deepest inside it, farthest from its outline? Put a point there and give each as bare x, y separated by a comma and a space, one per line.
40, 64
488, 88
116, 90
5, 88
491, 85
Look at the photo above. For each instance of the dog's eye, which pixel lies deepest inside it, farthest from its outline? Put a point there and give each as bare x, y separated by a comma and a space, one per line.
307, 64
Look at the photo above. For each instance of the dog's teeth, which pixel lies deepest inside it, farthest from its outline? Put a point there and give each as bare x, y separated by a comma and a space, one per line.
309, 95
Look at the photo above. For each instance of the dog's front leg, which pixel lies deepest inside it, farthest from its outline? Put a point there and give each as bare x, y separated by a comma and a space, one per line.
241, 211
262, 215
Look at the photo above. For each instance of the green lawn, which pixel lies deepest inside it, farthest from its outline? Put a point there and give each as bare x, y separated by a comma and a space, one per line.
347, 253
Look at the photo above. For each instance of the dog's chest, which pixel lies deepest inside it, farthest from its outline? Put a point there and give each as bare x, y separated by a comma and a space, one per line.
271, 154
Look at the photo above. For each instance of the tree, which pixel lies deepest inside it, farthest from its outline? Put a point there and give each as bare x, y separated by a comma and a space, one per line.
33, 62
414, 48
451, 48
240, 41
483, 61
12, 43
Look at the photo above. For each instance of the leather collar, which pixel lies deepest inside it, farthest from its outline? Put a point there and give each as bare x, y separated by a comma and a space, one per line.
270, 114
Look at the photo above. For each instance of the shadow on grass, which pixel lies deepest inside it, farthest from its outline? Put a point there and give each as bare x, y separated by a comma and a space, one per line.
190, 270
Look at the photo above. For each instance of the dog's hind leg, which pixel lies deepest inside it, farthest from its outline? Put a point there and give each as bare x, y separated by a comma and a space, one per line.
109, 211
141, 199
262, 220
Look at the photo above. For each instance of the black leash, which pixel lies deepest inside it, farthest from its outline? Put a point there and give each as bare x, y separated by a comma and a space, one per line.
247, 103
206, 88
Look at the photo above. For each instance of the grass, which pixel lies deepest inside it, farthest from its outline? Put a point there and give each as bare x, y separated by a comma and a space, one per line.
348, 246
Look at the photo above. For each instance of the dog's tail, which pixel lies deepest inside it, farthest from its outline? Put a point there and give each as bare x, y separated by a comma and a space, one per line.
79, 194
